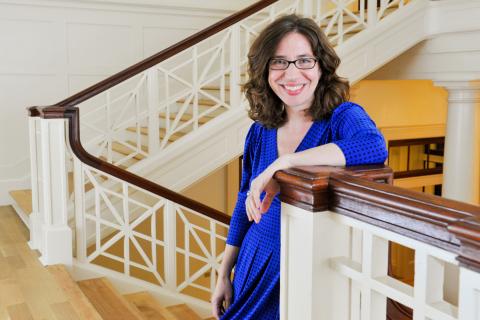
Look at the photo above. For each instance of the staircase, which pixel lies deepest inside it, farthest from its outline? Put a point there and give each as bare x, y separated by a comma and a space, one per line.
169, 131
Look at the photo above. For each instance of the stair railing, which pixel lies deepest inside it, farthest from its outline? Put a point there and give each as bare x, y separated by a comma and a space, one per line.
138, 112
336, 230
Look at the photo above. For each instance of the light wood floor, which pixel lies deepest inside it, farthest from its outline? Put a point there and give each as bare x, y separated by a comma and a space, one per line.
27, 290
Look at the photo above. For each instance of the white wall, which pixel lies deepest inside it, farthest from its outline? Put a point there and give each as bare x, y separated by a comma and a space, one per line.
50, 49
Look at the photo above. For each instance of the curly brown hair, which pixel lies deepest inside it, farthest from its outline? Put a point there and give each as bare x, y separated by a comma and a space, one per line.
265, 106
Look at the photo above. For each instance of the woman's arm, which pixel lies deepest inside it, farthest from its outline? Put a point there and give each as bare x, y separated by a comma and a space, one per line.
222, 296
328, 155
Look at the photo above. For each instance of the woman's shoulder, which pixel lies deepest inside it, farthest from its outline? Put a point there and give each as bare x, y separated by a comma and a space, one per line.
348, 106
347, 109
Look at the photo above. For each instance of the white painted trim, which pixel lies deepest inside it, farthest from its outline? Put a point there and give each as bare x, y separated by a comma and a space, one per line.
212, 8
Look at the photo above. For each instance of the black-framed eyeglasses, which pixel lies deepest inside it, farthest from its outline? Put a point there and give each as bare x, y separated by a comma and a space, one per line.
300, 63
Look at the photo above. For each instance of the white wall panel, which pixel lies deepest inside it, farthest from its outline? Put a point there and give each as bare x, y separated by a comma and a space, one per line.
20, 39
159, 38
97, 48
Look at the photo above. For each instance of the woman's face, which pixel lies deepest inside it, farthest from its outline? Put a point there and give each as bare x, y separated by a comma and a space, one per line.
295, 87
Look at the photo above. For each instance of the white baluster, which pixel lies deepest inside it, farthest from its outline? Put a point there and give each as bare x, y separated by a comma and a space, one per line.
235, 62
170, 240
196, 86
374, 265
126, 229
307, 8
56, 235
372, 17
153, 111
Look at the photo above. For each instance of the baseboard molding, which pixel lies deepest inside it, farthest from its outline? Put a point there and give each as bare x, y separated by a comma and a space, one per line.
9, 185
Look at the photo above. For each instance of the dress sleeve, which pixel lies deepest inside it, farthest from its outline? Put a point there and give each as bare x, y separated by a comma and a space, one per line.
239, 223
357, 136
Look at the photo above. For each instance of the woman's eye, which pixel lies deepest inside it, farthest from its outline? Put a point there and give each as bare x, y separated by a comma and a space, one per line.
304, 61
278, 62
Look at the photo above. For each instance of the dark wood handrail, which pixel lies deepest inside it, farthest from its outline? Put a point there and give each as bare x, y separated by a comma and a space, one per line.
72, 114
448, 224
163, 55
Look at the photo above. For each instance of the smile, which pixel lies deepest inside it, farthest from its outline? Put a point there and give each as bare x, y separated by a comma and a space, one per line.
293, 90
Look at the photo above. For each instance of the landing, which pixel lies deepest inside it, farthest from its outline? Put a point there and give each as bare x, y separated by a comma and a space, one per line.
27, 289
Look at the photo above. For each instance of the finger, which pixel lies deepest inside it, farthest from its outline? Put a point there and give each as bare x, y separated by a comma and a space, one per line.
252, 210
267, 201
228, 301
249, 209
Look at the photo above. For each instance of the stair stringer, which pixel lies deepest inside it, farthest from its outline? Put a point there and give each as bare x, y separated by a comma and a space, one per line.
197, 154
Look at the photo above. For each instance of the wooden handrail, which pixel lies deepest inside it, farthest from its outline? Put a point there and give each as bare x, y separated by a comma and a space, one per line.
72, 114
163, 55
448, 224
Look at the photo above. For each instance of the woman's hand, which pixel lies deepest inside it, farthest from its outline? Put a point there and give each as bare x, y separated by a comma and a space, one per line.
264, 182
222, 297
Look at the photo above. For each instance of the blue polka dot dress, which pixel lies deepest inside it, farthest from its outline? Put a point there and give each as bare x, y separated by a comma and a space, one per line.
256, 283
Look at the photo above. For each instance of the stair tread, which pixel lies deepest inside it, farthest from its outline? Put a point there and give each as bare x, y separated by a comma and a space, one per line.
108, 302
183, 312
121, 148
186, 117
149, 306
144, 131
201, 102
23, 198
75, 296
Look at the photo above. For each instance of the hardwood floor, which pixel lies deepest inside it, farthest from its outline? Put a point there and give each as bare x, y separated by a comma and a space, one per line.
27, 289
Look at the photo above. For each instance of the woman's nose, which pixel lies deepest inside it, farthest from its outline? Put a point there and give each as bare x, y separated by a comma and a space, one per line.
292, 70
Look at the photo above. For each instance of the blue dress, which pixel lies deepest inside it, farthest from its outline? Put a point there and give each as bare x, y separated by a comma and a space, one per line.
256, 283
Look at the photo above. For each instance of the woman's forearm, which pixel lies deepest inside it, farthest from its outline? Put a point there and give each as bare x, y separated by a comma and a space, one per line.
327, 155
228, 262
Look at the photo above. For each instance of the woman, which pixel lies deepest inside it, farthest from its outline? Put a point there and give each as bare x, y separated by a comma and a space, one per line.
301, 119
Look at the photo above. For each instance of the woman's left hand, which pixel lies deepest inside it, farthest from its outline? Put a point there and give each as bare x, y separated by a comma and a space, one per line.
263, 182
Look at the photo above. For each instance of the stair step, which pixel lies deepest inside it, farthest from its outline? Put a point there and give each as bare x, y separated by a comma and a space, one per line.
108, 302
23, 198
144, 131
75, 296
183, 312
120, 148
149, 307
201, 102
186, 117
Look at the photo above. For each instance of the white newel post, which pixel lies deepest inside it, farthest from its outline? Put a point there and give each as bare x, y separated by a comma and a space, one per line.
309, 288
55, 239
34, 242
460, 172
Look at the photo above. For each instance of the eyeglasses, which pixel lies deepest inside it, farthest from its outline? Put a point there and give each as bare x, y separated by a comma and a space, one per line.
301, 63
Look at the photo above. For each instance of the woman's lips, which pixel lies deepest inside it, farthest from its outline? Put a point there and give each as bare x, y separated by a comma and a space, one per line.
293, 90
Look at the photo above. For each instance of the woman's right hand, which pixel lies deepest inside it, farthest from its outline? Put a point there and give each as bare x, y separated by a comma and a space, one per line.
222, 297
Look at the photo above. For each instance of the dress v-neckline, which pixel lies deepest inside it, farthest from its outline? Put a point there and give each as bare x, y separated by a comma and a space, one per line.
301, 141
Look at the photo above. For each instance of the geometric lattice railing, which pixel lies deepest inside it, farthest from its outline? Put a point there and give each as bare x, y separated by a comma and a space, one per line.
145, 236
